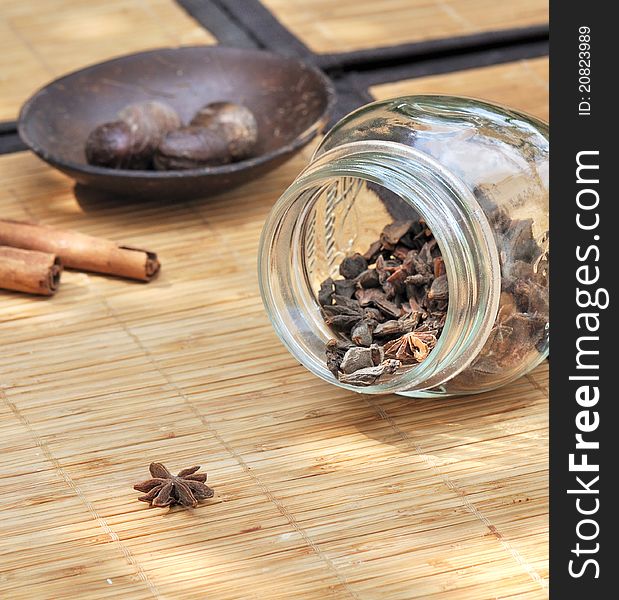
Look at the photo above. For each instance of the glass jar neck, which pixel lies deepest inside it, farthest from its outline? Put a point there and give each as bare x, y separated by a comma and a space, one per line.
454, 217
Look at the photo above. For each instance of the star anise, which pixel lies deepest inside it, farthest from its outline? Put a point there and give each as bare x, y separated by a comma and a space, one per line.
410, 348
187, 488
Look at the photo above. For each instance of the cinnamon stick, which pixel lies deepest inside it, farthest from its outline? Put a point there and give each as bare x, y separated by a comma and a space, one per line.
29, 271
80, 251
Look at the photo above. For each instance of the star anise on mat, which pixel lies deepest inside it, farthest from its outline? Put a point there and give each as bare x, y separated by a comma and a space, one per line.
187, 488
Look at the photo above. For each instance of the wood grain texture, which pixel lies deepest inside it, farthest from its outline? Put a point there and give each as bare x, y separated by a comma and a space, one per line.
346, 25
522, 85
319, 492
43, 39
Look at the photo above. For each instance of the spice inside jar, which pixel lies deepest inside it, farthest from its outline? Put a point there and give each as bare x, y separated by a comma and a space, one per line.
389, 306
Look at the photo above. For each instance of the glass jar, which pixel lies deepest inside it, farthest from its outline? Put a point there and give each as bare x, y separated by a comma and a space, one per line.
477, 174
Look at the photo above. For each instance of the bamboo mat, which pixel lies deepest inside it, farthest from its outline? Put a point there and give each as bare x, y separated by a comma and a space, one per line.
42, 39
320, 493
347, 25
522, 85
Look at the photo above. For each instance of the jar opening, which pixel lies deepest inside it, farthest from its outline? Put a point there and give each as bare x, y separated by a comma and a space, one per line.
338, 206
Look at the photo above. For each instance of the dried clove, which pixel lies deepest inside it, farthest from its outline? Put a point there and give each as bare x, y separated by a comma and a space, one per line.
403, 325
335, 351
361, 358
368, 279
439, 289
370, 375
345, 287
394, 232
373, 251
352, 266
521, 326
325, 293
361, 333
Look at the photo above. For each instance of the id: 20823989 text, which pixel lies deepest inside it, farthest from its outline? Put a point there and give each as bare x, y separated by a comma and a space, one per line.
584, 71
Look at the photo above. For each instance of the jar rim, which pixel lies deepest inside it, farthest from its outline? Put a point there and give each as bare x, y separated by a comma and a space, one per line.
462, 231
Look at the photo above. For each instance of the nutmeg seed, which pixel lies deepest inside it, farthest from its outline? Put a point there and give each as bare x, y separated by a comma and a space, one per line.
130, 142
234, 122
111, 145
191, 148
